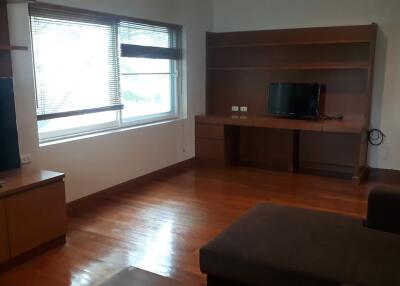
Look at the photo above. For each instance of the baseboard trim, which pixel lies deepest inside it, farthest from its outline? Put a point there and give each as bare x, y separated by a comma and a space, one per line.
373, 175
383, 176
87, 201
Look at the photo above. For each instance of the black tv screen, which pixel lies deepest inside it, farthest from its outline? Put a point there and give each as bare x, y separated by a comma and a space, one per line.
297, 100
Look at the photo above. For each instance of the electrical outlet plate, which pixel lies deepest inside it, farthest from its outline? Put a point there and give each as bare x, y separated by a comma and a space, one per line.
26, 159
235, 108
243, 108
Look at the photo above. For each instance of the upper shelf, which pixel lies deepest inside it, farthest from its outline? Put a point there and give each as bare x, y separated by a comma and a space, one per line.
13, 48
300, 43
300, 66
300, 36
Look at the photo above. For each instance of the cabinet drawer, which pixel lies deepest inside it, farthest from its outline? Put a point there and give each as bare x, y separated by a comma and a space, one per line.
210, 149
4, 247
209, 131
36, 217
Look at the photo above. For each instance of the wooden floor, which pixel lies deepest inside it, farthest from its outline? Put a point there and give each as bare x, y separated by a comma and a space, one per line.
159, 226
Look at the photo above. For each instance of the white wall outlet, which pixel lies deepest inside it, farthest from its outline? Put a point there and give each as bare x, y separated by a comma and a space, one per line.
26, 159
235, 108
243, 108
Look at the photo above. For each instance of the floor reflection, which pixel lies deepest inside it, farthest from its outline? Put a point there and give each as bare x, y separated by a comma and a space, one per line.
157, 252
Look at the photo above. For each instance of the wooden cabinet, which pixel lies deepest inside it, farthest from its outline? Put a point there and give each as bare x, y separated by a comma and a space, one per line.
33, 213
210, 141
4, 247
36, 216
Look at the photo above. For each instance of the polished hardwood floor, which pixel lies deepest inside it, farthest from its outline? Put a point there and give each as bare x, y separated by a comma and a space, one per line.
160, 225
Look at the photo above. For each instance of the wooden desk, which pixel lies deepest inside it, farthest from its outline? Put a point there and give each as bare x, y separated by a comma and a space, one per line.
32, 214
234, 139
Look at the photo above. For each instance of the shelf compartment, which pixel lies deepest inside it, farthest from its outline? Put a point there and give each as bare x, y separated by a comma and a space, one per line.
13, 48
304, 66
318, 35
304, 43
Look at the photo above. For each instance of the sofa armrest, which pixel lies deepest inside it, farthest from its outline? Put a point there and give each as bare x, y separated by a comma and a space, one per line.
384, 209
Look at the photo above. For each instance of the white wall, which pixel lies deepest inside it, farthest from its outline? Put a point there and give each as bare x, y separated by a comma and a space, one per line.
96, 163
240, 15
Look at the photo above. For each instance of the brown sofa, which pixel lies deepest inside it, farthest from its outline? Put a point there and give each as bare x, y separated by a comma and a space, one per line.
285, 246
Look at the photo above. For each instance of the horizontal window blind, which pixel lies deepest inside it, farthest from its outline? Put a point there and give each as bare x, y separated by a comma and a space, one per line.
140, 40
76, 63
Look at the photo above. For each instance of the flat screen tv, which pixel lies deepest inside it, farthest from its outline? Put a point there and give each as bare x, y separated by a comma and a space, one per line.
294, 100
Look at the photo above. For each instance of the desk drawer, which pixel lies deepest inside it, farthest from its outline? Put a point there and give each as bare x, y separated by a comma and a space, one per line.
210, 131
210, 149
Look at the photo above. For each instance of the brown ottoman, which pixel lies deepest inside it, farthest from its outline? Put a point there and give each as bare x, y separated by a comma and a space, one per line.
276, 245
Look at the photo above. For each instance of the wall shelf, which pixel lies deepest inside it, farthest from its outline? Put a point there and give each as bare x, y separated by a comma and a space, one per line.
302, 66
301, 43
13, 48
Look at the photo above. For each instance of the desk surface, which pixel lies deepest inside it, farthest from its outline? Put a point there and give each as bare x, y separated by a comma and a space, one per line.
24, 179
332, 126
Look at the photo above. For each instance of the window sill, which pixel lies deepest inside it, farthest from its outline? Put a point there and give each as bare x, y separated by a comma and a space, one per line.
98, 133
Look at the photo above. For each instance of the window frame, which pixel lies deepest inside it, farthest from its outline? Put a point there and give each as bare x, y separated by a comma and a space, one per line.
119, 122
46, 137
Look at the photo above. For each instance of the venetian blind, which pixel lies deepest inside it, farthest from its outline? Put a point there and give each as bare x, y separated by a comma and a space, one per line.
76, 63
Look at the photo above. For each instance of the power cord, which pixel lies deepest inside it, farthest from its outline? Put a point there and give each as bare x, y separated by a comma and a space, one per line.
376, 137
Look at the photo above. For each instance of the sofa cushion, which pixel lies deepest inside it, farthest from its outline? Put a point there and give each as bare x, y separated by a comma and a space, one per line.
271, 243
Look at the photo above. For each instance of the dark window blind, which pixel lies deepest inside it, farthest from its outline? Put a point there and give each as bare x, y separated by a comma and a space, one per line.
76, 63
140, 40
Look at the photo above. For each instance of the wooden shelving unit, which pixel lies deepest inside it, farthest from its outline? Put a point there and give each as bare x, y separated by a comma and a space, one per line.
5, 47
13, 48
240, 67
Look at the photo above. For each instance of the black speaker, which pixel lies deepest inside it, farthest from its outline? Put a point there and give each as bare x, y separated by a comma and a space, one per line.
9, 150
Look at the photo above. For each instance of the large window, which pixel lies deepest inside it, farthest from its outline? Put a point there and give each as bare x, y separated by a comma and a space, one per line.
95, 72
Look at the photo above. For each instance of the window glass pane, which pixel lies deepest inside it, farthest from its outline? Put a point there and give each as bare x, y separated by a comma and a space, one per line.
148, 86
77, 121
140, 65
145, 95
143, 35
74, 65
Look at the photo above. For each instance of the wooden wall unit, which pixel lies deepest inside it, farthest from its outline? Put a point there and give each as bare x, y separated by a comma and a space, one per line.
5, 48
240, 67
32, 213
